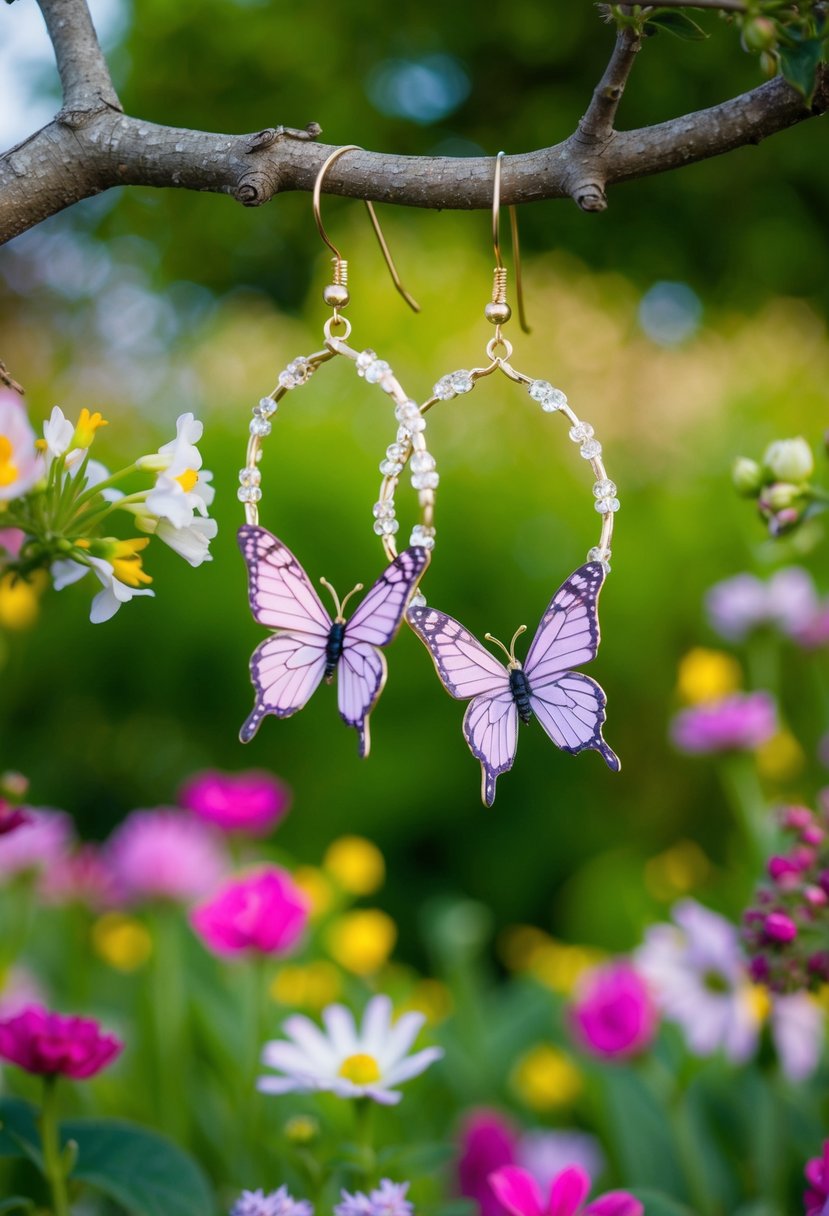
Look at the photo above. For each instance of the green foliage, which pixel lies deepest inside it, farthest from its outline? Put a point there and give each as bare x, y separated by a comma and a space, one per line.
675, 22
799, 63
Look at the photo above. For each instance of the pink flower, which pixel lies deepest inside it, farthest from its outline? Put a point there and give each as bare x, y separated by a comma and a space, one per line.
521, 1195
51, 1045
264, 911
37, 845
740, 722
164, 854
743, 603
488, 1142
11, 817
11, 542
20, 465
817, 1175
613, 1015
252, 802
82, 877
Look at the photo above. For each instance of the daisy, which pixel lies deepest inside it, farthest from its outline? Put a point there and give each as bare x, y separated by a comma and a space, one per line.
351, 1063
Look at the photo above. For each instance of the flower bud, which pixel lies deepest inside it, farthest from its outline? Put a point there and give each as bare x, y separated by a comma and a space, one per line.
759, 34
779, 927
779, 496
747, 476
790, 460
301, 1130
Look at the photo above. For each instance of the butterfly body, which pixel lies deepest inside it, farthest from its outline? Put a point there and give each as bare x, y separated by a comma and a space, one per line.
334, 649
569, 706
521, 693
308, 646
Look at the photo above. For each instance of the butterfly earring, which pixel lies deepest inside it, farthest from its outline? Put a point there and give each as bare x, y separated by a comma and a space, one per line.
569, 705
308, 644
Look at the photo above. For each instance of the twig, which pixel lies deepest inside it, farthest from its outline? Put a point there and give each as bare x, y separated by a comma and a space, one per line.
597, 123
9, 380
84, 75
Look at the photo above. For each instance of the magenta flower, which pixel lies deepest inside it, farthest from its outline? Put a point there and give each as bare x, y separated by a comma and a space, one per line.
36, 846
11, 817
11, 542
164, 854
52, 1045
613, 1015
816, 1198
521, 1195
252, 802
264, 912
740, 722
488, 1141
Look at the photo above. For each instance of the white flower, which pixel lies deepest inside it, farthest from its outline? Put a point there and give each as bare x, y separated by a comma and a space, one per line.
351, 1063
58, 432
191, 542
797, 1029
697, 974
180, 453
107, 602
177, 498
790, 460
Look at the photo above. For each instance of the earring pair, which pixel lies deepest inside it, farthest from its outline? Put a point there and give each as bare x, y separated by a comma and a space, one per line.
311, 645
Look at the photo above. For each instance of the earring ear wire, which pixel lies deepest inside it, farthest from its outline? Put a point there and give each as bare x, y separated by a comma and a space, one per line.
336, 294
498, 310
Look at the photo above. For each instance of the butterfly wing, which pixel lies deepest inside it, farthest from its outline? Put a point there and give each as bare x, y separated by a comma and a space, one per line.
285, 670
490, 725
569, 631
466, 669
361, 674
281, 594
377, 617
572, 711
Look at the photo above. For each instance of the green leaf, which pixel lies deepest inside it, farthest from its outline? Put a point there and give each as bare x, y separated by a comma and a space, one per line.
19, 1135
658, 1204
456, 1207
17, 1203
675, 22
418, 1159
799, 64
641, 1132
143, 1171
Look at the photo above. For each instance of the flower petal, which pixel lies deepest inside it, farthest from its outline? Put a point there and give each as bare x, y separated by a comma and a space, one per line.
311, 1039
568, 1192
339, 1022
376, 1023
400, 1038
413, 1065
277, 1085
518, 1191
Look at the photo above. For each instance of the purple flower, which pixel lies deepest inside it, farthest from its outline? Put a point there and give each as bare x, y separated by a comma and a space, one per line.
816, 1199
740, 722
164, 854
37, 845
11, 818
389, 1199
613, 1014
278, 1203
788, 601
252, 803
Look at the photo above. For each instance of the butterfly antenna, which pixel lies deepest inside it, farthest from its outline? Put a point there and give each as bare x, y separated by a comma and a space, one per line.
496, 642
325, 583
521, 629
353, 591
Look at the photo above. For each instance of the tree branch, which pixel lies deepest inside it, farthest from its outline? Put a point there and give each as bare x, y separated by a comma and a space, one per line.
60, 165
84, 75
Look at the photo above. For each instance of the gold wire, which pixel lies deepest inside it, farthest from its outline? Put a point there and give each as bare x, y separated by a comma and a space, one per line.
516, 247
375, 223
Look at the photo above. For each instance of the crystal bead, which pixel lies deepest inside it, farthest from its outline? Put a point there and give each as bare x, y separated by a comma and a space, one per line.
383, 509
260, 427
606, 506
395, 452
590, 449
299, 367
378, 526
417, 423
581, 430
406, 411
249, 477
390, 468
540, 390
287, 379
388, 527
425, 481
597, 554
548, 397
364, 359
462, 382
249, 493
443, 390
404, 434
423, 462
422, 536
604, 488
376, 371
265, 407
418, 600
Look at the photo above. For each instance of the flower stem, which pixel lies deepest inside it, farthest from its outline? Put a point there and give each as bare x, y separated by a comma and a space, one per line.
364, 1136
50, 1142
738, 774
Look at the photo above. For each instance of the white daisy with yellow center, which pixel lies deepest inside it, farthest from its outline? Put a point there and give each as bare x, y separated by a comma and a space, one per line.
182, 489
368, 1062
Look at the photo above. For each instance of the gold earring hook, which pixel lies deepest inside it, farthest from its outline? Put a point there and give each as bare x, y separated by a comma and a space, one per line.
499, 291
340, 266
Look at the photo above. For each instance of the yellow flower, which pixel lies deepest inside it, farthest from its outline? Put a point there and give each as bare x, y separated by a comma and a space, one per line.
678, 870
88, 424
8, 469
519, 945
121, 941
126, 561
356, 865
20, 599
313, 883
780, 757
431, 998
560, 966
546, 1078
301, 1129
362, 941
707, 675
310, 987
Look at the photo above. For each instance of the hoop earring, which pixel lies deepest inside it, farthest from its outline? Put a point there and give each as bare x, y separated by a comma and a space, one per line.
309, 645
569, 705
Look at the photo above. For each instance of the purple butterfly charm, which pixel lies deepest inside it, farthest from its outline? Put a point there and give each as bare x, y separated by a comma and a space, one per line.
570, 706
310, 645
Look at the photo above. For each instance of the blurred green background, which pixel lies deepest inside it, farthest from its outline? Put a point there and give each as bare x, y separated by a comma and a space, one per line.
687, 323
